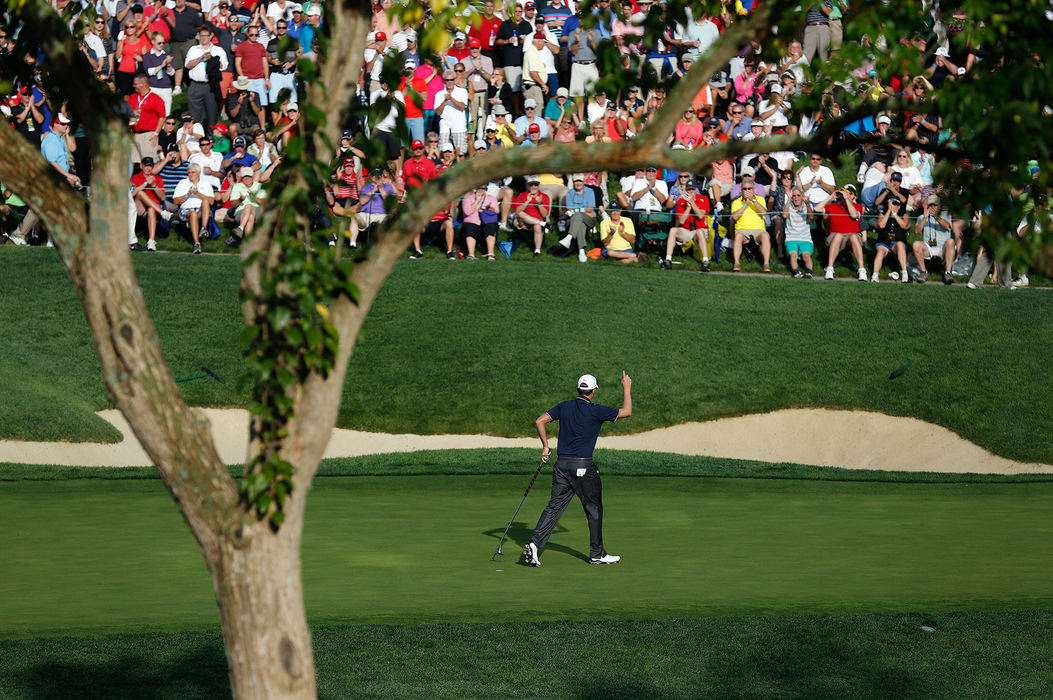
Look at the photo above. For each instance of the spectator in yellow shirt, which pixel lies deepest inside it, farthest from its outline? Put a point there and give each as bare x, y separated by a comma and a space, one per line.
748, 214
617, 236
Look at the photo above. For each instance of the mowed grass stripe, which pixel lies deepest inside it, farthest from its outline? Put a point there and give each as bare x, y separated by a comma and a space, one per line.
455, 347
972, 654
112, 556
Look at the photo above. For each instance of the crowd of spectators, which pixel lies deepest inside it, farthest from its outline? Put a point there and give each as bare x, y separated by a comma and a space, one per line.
514, 76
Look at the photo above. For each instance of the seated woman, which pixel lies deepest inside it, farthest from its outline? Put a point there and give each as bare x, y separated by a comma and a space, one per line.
892, 227
480, 220
618, 236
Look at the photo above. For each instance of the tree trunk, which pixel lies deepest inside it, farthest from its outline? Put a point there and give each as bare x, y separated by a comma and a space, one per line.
260, 594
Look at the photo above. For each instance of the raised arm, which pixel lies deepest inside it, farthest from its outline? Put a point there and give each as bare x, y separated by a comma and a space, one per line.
627, 398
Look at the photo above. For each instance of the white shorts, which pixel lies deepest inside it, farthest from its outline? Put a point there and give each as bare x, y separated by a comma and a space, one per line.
582, 78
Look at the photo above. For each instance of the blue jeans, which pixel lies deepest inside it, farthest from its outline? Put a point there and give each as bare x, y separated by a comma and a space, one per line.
416, 128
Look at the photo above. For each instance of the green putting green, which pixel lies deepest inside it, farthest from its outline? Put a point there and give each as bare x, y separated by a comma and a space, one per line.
93, 555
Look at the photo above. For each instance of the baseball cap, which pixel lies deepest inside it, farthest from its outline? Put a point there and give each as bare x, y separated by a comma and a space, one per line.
691, 185
713, 121
578, 178
586, 382
532, 180
447, 147
528, 6
346, 134
314, 11
172, 147
898, 177
380, 36
417, 143
147, 161
771, 77
410, 65
884, 119
187, 117
933, 199
349, 161
748, 172
529, 102
719, 79
293, 107
563, 92
459, 36
534, 129
851, 188
239, 141
480, 143
474, 44
758, 122
245, 172
61, 118
776, 88
221, 128
410, 35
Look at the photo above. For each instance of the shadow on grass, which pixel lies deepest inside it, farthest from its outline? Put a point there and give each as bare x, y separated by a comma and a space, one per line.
140, 666
519, 534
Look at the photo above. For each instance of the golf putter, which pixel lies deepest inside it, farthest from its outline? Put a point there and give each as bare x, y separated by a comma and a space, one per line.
902, 369
498, 552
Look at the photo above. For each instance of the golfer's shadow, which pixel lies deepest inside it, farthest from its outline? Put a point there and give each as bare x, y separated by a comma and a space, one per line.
519, 534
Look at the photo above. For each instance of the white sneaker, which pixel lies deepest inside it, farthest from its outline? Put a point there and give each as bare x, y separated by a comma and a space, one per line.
565, 241
151, 244
50, 243
17, 240
970, 285
177, 90
530, 554
166, 215
581, 256
1021, 281
863, 275
893, 275
874, 277
605, 559
829, 274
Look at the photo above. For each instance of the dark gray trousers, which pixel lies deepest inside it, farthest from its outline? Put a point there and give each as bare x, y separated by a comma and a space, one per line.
565, 484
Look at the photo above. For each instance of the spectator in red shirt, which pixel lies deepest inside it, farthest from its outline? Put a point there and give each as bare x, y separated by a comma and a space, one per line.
844, 215
689, 224
148, 192
415, 172
531, 209
485, 32
250, 60
148, 116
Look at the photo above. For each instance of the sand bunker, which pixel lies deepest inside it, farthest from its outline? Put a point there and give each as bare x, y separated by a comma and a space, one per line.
848, 439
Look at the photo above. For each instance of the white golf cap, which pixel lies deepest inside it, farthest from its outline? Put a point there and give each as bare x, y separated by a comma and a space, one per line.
586, 382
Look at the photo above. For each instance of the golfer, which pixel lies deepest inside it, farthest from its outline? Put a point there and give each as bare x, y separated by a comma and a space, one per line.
580, 421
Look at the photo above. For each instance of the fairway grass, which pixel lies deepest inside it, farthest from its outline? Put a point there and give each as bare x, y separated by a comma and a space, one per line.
111, 556
967, 655
495, 345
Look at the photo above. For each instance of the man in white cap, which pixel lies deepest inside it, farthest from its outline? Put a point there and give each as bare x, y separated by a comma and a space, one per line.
580, 421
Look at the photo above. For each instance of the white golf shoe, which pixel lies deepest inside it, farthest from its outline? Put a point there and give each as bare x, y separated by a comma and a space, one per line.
530, 554
605, 559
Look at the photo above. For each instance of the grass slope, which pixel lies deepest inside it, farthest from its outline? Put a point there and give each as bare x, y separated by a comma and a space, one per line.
968, 655
487, 348
92, 556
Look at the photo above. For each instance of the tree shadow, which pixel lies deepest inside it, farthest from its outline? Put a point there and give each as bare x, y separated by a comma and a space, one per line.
105, 667
519, 534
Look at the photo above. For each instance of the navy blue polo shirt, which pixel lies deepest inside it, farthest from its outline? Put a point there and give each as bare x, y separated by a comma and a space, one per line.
580, 421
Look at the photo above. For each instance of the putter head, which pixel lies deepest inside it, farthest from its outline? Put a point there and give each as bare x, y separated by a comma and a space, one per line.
899, 371
497, 553
212, 374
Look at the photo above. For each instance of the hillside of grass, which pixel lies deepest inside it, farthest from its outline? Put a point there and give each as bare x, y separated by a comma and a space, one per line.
484, 348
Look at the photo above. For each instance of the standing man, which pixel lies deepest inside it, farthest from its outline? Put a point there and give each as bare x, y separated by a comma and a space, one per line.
148, 116
201, 98
580, 421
